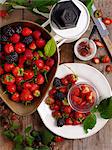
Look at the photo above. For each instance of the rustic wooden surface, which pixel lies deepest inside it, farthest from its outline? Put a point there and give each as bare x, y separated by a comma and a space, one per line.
103, 139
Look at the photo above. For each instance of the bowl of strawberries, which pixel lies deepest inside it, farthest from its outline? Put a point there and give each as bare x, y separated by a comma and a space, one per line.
28, 63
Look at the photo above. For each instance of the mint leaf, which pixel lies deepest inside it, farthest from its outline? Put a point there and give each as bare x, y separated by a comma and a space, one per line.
105, 108
18, 139
89, 4
89, 122
9, 134
50, 48
30, 140
28, 129
46, 136
44, 148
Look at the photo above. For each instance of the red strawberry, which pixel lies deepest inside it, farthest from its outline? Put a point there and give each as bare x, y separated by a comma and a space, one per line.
3, 13
8, 48
76, 91
8, 79
28, 74
96, 60
1, 70
46, 68
63, 89
16, 97
11, 88
72, 78
39, 63
15, 38
36, 56
26, 31
58, 139
19, 88
56, 114
32, 46
76, 122
29, 54
105, 59
40, 43
36, 34
36, 93
8, 67
68, 121
89, 97
98, 43
76, 99
107, 21
80, 116
19, 47
34, 87
108, 68
26, 95
22, 60
26, 85
40, 79
17, 71
67, 109
55, 107
49, 100
19, 80
52, 91
50, 62
64, 81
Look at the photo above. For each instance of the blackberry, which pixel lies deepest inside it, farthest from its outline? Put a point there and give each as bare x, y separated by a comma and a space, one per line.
57, 82
4, 38
59, 95
13, 57
60, 122
27, 40
18, 29
8, 31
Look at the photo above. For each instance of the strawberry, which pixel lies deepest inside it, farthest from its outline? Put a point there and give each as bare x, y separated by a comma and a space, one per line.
19, 80
105, 59
28, 54
76, 91
19, 47
1, 70
72, 78
64, 81
26, 85
36, 93
15, 97
46, 68
17, 71
39, 63
68, 121
22, 60
85, 89
96, 60
9, 48
33, 46
58, 139
107, 21
67, 109
76, 122
8, 67
40, 79
54, 107
34, 87
26, 95
3, 13
89, 97
52, 91
40, 43
11, 88
36, 34
15, 38
80, 116
36, 56
49, 100
26, 31
28, 74
50, 62
63, 89
76, 99
56, 114
8, 79
108, 68
98, 43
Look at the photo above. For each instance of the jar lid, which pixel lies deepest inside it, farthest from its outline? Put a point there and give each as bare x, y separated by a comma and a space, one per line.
80, 25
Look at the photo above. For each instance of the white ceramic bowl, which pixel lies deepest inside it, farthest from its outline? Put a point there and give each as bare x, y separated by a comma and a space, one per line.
92, 44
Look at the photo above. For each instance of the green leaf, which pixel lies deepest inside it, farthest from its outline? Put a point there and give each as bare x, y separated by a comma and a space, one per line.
105, 108
43, 9
46, 136
50, 48
28, 148
18, 139
15, 126
89, 4
89, 122
28, 129
41, 54
18, 147
30, 140
9, 134
43, 148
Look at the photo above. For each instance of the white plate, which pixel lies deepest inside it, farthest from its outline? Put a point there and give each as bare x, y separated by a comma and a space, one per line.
85, 73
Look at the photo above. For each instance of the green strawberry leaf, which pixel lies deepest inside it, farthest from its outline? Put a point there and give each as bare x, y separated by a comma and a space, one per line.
9, 134
43, 148
50, 48
89, 4
89, 122
30, 140
18, 139
105, 108
46, 136
28, 129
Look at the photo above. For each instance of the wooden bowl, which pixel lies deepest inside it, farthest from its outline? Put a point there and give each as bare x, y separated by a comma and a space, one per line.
20, 108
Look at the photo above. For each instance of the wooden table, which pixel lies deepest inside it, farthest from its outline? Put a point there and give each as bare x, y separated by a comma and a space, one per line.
103, 139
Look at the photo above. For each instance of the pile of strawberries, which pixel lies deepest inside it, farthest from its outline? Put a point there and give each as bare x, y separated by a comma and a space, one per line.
58, 103
22, 67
